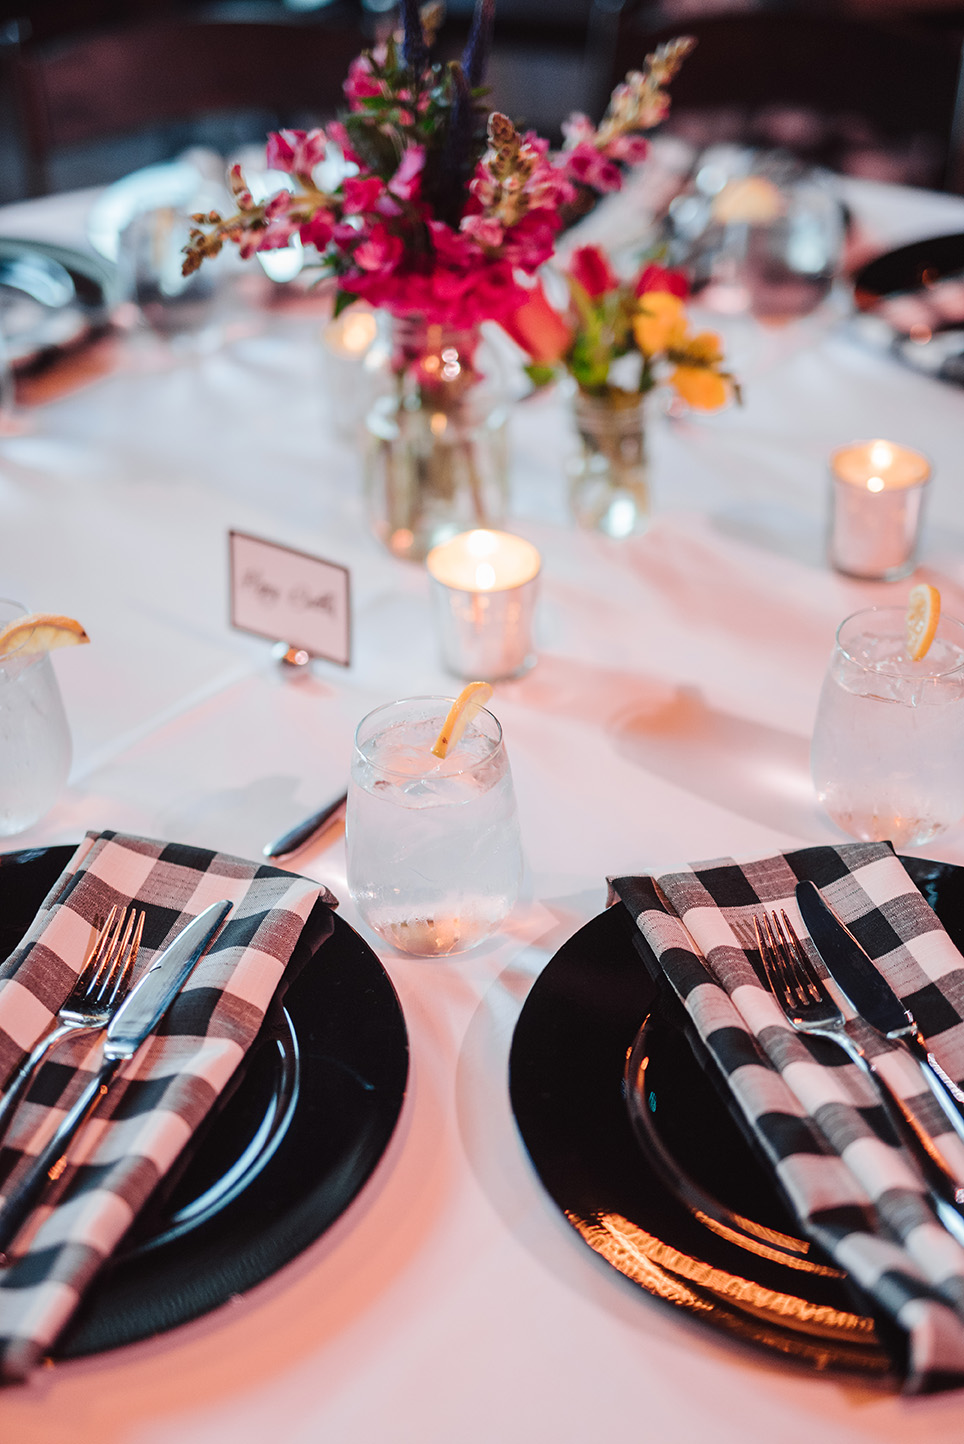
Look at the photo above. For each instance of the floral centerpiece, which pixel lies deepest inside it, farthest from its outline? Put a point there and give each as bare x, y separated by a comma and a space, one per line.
442, 213
619, 339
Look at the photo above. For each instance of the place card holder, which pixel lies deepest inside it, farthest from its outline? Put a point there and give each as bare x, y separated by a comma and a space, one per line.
300, 602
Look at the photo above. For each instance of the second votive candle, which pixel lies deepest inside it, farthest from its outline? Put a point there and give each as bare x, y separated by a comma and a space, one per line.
484, 591
878, 495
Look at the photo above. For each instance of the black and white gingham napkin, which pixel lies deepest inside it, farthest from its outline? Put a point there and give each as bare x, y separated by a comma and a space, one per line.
815, 1115
160, 1097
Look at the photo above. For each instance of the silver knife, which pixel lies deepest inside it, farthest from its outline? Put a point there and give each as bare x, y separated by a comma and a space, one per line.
134, 1021
300, 835
872, 997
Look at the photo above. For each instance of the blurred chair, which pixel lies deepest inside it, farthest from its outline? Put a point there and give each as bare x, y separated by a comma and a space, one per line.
858, 96
110, 82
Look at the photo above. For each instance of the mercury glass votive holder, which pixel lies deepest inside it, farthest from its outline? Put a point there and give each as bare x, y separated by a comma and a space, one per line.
484, 586
876, 507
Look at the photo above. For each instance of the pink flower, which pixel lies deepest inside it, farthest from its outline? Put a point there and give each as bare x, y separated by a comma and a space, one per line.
380, 250
407, 180
338, 135
587, 166
630, 149
659, 278
361, 193
577, 129
590, 267
361, 84
531, 241
483, 229
317, 231
296, 151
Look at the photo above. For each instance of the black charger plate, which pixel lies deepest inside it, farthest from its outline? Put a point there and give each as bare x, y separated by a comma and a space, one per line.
635, 1143
929, 338
290, 1148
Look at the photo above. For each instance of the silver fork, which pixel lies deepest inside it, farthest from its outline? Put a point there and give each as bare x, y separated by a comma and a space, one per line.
801, 993
100, 988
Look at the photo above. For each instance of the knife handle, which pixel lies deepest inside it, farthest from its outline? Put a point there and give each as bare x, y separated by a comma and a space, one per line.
946, 1189
48, 1165
944, 1090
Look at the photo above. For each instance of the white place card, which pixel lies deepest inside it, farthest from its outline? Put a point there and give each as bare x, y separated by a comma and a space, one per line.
289, 596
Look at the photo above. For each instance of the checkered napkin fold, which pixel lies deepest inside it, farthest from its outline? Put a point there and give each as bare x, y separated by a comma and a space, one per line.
160, 1097
816, 1117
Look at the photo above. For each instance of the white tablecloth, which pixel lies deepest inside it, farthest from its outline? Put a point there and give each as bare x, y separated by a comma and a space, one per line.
668, 719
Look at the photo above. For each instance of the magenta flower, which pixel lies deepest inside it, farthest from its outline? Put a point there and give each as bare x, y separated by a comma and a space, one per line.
296, 151
361, 193
407, 180
380, 250
586, 165
360, 84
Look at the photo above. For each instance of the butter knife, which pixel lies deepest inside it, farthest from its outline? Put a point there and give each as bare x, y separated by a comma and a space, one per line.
301, 834
134, 1021
872, 997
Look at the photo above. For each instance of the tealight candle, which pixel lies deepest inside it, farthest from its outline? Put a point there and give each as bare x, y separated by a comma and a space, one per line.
484, 591
878, 494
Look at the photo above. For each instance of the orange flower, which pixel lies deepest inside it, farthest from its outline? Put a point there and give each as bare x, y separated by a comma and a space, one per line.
538, 328
701, 387
659, 323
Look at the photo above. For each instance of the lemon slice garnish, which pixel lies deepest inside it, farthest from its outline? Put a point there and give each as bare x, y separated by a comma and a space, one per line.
40, 632
461, 712
923, 614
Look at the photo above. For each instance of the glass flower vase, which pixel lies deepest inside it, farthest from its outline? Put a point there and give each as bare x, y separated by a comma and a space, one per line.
609, 475
436, 457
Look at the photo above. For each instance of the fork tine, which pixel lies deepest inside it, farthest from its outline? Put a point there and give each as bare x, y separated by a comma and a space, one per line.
770, 958
124, 972
808, 980
95, 953
106, 956
115, 955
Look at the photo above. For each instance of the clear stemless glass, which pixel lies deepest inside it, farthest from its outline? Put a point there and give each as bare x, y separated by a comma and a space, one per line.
434, 855
888, 743
34, 736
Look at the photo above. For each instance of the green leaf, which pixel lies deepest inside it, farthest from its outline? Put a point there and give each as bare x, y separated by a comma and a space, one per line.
343, 299
539, 374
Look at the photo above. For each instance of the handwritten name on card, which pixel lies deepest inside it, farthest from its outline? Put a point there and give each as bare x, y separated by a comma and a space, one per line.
289, 596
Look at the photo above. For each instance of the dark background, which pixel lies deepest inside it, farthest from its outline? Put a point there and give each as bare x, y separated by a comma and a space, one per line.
891, 113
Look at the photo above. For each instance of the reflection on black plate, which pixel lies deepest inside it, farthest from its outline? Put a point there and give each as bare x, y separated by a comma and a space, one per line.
287, 1152
636, 1145
911, 302
51, 300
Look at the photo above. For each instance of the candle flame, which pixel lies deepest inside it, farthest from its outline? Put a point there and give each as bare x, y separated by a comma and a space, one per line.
881, 455
482, 543
875, 483
485, 577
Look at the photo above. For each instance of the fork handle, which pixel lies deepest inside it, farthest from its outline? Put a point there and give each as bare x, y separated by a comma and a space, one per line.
48, 1165
17, 1086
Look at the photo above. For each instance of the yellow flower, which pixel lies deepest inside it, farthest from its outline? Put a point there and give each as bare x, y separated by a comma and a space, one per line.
701, 387
704, 349
659, 323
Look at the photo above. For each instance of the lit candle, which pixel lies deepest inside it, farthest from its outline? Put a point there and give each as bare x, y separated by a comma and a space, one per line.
878, 494
352, 334
484, 591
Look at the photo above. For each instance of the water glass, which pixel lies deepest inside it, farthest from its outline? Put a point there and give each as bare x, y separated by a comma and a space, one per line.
888, 744
34, 736
434, 854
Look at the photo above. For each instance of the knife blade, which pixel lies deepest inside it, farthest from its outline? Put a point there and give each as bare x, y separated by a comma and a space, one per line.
872, 997
302, 833
134, 1021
